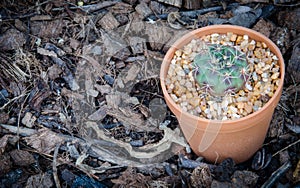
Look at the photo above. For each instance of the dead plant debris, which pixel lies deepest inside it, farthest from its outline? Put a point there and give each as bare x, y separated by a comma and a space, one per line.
81, 103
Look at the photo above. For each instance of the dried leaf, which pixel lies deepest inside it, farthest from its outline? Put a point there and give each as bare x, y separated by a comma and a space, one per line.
48, 29
21, 157
44, 140
42, 180
3, 142
99, 114
109, 22
12, 39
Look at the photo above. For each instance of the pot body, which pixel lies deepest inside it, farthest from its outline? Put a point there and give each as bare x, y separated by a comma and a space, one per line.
217, 140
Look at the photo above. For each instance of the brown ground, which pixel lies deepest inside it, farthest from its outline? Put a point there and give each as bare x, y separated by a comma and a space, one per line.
79, 87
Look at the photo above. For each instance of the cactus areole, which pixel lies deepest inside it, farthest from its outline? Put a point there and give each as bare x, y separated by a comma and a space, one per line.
220, 69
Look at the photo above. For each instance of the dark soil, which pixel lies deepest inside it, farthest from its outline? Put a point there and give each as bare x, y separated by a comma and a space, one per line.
81, 103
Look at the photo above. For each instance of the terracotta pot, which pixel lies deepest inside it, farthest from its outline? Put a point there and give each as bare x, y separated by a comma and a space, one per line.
216, 140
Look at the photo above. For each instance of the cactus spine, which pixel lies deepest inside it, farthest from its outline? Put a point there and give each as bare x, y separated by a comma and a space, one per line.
220, 69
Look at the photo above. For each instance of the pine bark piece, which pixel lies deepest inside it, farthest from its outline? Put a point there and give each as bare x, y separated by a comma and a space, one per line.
109, 22
137, 44
192, 4
158, 36
143, 10
294, 64
264, 27
157, 8
5, 164
176, 3
21, 157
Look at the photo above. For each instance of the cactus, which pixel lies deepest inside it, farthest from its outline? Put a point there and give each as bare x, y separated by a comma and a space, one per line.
220, 69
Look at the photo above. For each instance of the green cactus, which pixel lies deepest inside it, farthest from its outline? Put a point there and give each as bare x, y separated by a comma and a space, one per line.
220, 69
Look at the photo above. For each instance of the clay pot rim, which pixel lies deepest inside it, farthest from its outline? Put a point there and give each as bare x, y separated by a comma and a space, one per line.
227, 124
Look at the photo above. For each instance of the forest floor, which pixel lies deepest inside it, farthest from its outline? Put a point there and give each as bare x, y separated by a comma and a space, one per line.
80, 95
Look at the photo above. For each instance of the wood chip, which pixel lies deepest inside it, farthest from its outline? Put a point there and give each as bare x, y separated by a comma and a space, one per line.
143, 10
28, 120
137, 44
12, 39
44, 140
192, 4
54, 72
114, 45
109, 22
176, 3
248, 108
113, 100
21, 157
5, 164
103, 89
40, 180
99, 114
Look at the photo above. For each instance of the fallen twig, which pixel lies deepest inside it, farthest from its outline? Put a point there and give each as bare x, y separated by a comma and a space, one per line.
191, 14
286, 147
54, 166
276, 175
21, 130
91, 8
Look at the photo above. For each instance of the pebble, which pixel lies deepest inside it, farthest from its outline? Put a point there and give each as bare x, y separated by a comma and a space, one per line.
248, 108
275, 75
262, 83
194, 102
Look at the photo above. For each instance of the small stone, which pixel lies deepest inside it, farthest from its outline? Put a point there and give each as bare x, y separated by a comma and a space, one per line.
252, 44
258, 53
274, 57
183, 97
180, 90
189, 95
241, 99
265, 75
257, 85
174, 97
248, 107
264, 45
255, 108
180, 73
188, 85
233, 109
173, 62
182, 82
236, 116
275, 69
233, 38
275, 76
266, 68
28, 120
178, 53
203, 107
241, 93
239, 40
265, 79
248, 87
270, 94
194, 102
224, 104
258, 103
258, 44
240, 105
